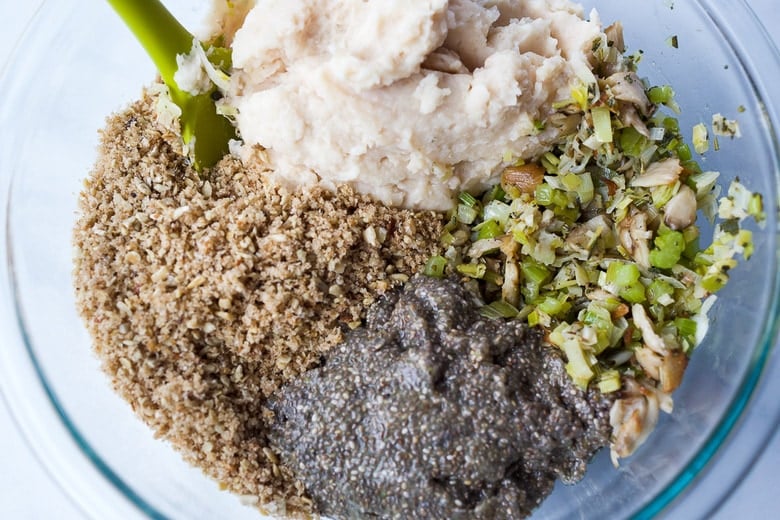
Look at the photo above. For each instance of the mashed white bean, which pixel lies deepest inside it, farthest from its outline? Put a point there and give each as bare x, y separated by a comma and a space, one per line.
409, 101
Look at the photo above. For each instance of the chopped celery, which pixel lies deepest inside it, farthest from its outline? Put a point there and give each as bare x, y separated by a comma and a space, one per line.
585, 190
631, 141
533, 318
622, 274
435, 267
663, 95
553, 306
660, 95
544, 194
534, 272
715, 282
600, 319
472, 270
669, 247
685, 327
671, 125
489, 229
497, 211
633, 293
659, 292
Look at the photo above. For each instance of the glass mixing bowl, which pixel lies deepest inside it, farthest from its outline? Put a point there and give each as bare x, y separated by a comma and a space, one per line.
77, 63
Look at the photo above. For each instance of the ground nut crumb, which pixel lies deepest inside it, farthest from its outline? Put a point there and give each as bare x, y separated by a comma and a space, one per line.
203, 297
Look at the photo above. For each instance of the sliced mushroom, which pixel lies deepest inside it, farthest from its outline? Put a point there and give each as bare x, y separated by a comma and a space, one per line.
614, 35
510, 290
680, 211
510, 247
630, 117
633, 418
634, 237
583, 238
659, 173
650, 362
645, 326
671, 370
626, 86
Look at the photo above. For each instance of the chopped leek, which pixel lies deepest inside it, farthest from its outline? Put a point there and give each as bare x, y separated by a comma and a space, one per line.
602, 124
586, 251
700, 138
499, 309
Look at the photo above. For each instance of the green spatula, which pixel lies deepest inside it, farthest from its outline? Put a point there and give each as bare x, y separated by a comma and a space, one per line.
205, 132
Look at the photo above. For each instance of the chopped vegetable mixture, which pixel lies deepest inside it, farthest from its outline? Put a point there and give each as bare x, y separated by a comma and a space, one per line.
597, 241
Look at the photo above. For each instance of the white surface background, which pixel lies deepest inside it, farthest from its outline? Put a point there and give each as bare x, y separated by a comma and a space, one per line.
27, 492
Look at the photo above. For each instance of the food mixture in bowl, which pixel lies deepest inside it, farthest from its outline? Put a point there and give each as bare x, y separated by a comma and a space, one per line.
452, 254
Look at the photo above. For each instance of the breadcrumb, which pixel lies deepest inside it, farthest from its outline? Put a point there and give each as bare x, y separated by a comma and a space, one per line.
204, 295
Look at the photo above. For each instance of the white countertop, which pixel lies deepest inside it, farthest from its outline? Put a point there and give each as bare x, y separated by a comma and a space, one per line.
27, 492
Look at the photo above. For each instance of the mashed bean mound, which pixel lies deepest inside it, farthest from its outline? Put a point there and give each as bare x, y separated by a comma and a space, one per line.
408, 101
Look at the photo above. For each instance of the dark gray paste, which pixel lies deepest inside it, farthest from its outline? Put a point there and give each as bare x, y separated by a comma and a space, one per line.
433, 411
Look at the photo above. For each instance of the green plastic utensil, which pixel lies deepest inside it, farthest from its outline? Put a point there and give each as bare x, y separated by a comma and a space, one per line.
205, 132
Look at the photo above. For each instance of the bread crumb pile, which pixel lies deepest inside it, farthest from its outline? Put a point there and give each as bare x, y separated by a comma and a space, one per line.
204, 296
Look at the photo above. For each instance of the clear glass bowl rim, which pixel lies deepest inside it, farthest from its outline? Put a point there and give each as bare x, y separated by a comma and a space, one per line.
761, 50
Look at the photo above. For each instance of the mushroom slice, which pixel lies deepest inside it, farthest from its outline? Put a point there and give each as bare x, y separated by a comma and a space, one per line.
630, 117
645, 326
626, 86
680, 211
632, 418
634, 237
659, 173
650, 362
584, 238
671, 370
614, 35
